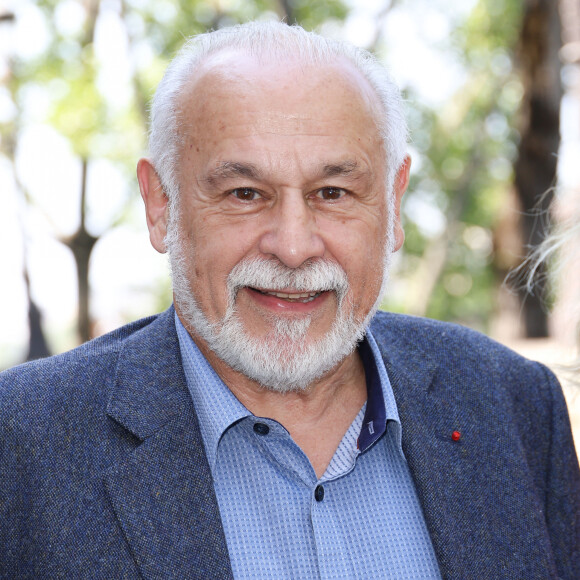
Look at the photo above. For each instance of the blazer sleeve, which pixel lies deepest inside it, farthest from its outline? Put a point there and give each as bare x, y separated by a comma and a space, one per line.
563, 487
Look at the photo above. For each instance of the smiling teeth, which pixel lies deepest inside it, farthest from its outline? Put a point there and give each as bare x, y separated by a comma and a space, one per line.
302, 296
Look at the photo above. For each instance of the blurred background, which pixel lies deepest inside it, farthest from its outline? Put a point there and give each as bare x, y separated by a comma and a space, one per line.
492, 90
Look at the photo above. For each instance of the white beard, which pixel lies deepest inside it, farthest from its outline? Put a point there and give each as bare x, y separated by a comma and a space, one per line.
284, 360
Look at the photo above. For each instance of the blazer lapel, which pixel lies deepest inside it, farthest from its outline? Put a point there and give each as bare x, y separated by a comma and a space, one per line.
411, 375
434, 461
162, 491
476, 516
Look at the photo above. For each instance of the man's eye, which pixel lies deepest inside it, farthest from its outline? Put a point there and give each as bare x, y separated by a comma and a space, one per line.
330, 193
245, 194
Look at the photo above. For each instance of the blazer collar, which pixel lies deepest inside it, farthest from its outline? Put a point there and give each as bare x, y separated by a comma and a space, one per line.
149, 387
162, 491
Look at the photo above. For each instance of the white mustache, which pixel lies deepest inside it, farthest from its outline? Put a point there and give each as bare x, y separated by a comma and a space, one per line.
317, 275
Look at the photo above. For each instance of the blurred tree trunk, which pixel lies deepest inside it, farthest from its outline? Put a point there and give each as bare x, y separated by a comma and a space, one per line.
81, 244
37, 345
286, 7
535, 168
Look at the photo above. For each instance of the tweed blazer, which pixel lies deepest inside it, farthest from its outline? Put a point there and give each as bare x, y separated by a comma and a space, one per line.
103, 473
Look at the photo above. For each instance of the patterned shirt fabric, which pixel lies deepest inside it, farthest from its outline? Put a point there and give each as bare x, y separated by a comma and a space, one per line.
361, 519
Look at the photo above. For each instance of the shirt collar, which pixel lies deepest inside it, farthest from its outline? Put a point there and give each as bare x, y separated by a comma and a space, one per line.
217, 408
381, 405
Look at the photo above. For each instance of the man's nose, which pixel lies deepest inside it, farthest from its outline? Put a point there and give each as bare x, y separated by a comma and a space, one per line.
292, 234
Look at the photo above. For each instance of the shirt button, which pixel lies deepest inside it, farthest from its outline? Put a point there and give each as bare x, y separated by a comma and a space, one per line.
261, 428
319, 493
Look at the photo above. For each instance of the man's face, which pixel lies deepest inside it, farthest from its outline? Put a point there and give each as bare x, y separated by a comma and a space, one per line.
282, 172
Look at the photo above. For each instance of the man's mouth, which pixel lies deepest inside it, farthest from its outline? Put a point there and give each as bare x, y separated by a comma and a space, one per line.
303, 297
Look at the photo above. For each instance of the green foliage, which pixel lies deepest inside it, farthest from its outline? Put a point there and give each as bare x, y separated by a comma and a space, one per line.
466, 150
311, 14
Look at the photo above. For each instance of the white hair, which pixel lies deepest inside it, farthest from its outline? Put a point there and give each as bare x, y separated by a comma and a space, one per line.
269, 39
550, 253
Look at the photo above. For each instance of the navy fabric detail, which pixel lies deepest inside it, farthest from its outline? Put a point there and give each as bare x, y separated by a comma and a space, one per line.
375, 420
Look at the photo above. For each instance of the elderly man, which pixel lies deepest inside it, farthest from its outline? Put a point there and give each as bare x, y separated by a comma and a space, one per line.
261, 428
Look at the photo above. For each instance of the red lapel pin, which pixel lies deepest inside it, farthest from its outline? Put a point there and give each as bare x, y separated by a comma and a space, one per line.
456, 435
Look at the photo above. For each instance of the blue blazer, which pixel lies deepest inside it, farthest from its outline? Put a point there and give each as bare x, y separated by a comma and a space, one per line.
103, 472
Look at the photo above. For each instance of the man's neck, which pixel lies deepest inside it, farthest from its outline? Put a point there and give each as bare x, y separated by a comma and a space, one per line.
317, 417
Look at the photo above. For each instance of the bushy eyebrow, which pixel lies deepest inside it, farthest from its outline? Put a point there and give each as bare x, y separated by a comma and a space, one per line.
231, 169
348, 168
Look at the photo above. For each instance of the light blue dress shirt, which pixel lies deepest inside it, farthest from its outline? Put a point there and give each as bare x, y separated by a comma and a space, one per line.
361, 519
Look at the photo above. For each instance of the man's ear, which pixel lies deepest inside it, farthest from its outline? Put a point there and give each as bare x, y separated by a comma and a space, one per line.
399, 188
156, 203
